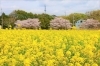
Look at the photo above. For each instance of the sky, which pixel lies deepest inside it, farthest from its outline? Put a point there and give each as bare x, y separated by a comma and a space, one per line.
53, 7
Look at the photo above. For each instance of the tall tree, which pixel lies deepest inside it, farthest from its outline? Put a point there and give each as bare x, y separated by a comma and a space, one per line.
4, 20
21, 15
29, 23
90, 24
45, 20
0, 20
75, 17
60, 23
94, 14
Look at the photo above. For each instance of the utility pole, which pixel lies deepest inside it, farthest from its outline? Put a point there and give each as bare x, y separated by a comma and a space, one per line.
2, 18
45, 9
65, 13
73, 19
1, 15
99, 4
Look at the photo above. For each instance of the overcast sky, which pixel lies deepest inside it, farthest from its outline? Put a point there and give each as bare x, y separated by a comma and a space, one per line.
56, 7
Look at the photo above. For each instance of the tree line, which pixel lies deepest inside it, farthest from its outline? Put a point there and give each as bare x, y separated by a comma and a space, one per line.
9, 20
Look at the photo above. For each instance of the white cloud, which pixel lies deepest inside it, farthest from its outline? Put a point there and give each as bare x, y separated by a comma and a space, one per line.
57, 7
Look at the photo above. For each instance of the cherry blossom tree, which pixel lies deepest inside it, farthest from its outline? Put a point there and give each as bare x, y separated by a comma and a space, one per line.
60, 23
90, 24
29, 24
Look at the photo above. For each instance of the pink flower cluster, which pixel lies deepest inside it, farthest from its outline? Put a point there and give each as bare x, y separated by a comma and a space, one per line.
29, 24
60, 23
90, 24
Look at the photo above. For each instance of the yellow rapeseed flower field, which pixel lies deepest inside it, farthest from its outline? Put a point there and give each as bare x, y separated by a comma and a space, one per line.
49, 47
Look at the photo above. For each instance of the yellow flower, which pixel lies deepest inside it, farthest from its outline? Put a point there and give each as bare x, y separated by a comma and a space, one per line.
94, 64
70, 64
87, 64
78, 64
21, 57
59, 52
68, 53
49, 47
64, 62
77, 54
27, 62
50, 62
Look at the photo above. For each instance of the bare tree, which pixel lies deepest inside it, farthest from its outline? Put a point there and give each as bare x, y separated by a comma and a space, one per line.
29, 24
60, 23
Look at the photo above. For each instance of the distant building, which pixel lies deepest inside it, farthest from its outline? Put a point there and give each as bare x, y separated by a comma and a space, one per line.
78, 23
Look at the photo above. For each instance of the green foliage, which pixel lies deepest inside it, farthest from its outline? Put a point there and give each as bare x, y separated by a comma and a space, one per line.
15, 15
94, 14
0, 20
5, 19
45, 20
75, 17
21, 15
